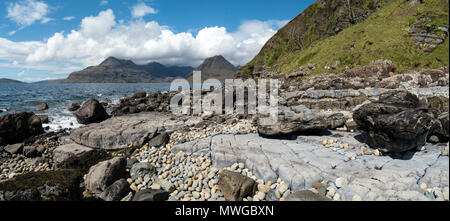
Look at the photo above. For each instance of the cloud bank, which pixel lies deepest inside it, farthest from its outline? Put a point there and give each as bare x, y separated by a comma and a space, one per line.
26, 12
100, 36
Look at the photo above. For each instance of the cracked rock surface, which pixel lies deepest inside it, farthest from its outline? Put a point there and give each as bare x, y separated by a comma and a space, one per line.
305, 160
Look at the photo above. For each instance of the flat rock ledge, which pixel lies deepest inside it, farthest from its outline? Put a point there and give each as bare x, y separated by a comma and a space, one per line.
306, 160
119, 132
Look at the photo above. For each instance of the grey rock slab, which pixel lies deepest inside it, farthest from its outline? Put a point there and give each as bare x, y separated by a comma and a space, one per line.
119, 132
66, 151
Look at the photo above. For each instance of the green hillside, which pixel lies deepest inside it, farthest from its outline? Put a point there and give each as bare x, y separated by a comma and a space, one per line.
389, 32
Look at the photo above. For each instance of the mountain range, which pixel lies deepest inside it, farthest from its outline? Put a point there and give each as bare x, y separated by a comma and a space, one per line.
6, 80
114, 70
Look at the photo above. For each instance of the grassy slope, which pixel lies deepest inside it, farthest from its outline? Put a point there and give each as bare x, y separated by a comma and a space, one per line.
384, 35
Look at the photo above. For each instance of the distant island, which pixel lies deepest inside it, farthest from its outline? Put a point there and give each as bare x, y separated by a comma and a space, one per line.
114, 70
9, 81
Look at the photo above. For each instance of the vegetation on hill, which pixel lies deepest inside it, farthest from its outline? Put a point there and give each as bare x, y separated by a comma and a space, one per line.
388, 32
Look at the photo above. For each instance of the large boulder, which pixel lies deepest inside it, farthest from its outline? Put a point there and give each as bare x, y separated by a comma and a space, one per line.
91, 112
395, 123
15, 128
300, 119
105, 173
235, 186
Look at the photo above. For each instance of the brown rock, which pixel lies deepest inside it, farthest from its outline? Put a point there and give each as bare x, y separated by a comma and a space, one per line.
235, 186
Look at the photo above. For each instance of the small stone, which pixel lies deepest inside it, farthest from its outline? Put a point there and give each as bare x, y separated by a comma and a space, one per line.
241, 165
356, 198
341, 182
155, 186
376, 153
423, 186
346, 146
331, 191
283, 188
330, 141
282, 199
337, 197
260, 195
263, 188
317, 185
445, 193
325, 142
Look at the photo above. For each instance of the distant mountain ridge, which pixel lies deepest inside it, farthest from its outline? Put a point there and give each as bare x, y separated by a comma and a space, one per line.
7, 80
114, 70
216, 67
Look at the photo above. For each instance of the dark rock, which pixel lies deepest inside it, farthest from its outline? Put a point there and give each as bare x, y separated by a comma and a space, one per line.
91, 112
151, 195
116, 191
44, 119
141, 169
235, 186
30, 152
15, 128
395, 123
104, 174
74, 106
301, 119
139, 95
60, 185
159, 140
306, 195
14, 148
41, 107
131, 162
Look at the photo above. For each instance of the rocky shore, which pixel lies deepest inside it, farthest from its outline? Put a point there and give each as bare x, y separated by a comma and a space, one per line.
362, 135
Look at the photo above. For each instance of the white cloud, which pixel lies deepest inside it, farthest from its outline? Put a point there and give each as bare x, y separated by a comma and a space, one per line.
104, 2
101, 36
69, 18
140, 10
20, 74
27, 12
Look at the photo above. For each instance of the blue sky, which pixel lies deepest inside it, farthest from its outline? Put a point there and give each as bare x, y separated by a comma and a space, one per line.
49, 39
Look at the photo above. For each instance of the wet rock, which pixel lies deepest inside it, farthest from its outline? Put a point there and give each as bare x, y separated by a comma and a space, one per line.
91, 112
139, 95
42, 107
104, 174
235, 186
74, 106
395, 123
15, 128
44, 119
151, 195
